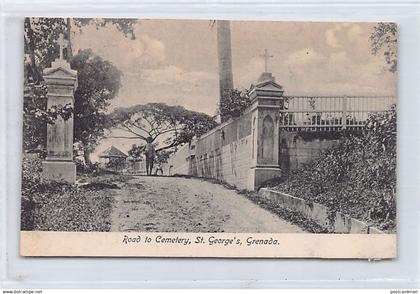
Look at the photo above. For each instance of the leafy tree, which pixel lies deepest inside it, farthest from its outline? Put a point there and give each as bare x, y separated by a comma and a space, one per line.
169, 126
162, 156
234, 103
124, 25
40, 35
137, 152
384, 39
98, 84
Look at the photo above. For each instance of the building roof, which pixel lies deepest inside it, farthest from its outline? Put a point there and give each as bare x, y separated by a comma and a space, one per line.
113, 152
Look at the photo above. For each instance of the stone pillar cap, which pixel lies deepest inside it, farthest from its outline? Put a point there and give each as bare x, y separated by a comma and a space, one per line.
266, 86
266, 76
60, 65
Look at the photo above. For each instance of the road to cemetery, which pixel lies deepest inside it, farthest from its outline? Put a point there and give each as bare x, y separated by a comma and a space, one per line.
160, 204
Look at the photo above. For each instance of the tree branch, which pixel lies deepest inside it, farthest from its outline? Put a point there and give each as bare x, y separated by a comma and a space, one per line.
167, 147
151, 124
126, 128
124, 137
139, 127
163, 132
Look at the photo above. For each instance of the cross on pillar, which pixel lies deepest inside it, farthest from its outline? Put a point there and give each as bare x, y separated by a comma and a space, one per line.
266, 57
63, 43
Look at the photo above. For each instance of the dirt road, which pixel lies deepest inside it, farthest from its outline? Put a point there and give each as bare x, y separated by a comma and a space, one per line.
169, 204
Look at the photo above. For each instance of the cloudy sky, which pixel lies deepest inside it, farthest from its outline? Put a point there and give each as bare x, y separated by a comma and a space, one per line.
175, 61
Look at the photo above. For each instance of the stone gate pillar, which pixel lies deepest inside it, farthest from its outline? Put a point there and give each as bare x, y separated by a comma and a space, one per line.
267, 99
61, 82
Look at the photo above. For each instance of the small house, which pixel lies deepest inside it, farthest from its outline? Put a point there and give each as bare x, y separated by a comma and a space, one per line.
113, 158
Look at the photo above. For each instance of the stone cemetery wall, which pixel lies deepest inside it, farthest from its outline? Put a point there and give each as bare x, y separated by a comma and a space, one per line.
296, 149
223, 153
179, 163
252, 149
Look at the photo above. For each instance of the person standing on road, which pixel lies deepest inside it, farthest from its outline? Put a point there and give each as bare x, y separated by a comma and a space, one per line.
150, 155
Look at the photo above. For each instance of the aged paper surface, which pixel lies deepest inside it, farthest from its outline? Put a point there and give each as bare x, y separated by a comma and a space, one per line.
208, 245
209, 138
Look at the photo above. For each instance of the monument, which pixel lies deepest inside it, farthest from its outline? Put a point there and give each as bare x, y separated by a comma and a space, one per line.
267, 99
61, 83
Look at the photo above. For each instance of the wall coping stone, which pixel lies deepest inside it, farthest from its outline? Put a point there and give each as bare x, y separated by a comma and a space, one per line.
304, 203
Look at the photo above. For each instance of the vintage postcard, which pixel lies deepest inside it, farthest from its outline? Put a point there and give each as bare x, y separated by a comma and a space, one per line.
213, 138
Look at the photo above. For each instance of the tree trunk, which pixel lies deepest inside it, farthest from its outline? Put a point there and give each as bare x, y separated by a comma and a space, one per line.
86, 155
69, 49
29, 42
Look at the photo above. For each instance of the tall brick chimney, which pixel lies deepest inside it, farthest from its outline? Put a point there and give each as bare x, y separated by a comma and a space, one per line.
225, 58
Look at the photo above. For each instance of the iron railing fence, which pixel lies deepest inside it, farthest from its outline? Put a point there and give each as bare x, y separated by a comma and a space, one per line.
325, 113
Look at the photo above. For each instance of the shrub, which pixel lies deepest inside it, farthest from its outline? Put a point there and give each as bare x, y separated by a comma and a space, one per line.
357, 177
31, 184
55, 206
90, 168
234, 103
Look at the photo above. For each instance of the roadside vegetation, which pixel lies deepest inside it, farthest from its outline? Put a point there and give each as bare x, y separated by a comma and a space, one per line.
357, 177
55, 206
